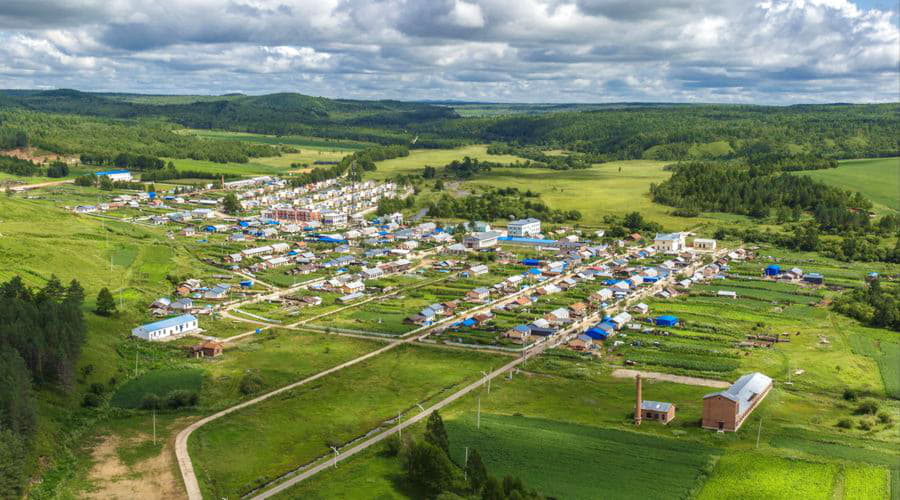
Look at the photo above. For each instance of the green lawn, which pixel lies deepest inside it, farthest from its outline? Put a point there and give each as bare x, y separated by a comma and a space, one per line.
877, 178
573, 461
234, 454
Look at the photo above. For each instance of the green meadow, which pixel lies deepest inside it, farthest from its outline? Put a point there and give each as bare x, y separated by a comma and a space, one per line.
241, 451
877, 179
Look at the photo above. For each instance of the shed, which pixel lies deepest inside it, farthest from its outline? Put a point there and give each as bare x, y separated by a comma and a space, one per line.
773, 270
666, 320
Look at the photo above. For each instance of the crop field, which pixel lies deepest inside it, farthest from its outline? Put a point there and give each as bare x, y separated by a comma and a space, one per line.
159, 382
243, 450
877, 179
749, 475
866, 482
846, 274
582, 462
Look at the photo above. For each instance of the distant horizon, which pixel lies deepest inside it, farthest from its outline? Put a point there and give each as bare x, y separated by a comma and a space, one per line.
453, 101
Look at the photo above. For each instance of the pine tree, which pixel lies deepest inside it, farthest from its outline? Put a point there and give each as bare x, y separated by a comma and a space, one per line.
106, 304
435, 433
476, 472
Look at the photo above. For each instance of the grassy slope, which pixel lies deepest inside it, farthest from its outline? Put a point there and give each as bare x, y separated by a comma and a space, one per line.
878, 179
235, 453
418, 158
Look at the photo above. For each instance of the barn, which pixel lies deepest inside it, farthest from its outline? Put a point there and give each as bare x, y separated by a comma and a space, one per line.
726, 411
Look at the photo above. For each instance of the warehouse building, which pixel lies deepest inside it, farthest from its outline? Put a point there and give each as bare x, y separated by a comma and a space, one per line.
726, 411
166, 328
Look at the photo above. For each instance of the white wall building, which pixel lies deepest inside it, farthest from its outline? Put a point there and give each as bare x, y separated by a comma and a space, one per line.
116, 175
524, 228
160, 330
669, 243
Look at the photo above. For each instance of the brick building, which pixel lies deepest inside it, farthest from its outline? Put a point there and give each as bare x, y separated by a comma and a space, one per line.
726, 411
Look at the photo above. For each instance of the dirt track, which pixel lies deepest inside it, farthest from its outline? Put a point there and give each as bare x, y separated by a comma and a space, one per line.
666, 377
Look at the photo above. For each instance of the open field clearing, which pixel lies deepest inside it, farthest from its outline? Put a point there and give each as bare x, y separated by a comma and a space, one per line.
886, 352
242, 451
614, 464
275, 358
418, 158
252, 168
290, 140
878, 179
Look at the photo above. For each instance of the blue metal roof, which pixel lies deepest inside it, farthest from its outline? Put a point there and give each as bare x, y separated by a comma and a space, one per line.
111, 172
169, 322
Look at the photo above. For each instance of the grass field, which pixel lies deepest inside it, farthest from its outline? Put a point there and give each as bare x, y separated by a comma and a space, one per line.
573, 461
418, 158
159, 382
878, 179
887, 354
243, 450
288, 140
276, 357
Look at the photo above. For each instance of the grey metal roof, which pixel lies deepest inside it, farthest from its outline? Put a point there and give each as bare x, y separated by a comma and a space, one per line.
655, 406
745, 390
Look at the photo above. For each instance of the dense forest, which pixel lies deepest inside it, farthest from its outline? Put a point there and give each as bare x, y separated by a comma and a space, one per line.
111, 124
720, 187
41, 334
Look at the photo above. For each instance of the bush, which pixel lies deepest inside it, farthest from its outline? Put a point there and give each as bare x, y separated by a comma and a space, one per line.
869, 407
393, 445
845, 423
180, 398
885, 418
91, 400
151, 402
850, 395
865, 425
250, 384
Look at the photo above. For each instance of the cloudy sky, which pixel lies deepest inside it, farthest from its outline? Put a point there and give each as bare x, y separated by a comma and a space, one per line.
759, 51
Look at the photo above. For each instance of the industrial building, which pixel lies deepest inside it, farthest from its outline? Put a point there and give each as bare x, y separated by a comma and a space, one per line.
726, 411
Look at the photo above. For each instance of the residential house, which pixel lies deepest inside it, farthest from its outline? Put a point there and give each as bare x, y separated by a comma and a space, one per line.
166, 328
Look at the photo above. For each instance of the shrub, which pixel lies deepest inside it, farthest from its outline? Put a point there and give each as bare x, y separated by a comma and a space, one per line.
180, 398
393, 445
97, 388
91, 400
845, 423
865, 425
885, 418
251, 383
151, 401
869, 407
850, 395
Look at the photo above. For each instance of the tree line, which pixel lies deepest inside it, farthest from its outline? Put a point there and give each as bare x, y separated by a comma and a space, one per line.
498, 204
429, 466
41, 334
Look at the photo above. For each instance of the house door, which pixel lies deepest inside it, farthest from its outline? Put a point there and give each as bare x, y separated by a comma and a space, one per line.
721, 425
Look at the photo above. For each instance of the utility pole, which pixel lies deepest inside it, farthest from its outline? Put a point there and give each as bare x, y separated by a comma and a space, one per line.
465, 465
335, 457
154, 426
478, 418
399, 427
758, 432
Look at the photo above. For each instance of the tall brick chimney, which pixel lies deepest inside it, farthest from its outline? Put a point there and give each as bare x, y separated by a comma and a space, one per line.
639, 398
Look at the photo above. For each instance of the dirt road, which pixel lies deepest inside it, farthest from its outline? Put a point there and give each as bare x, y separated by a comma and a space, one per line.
667, 377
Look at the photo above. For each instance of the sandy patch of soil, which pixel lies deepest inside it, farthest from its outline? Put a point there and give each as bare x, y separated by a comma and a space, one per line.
153, 478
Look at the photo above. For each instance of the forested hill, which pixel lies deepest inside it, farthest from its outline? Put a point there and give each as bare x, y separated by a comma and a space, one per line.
284, 113
698, 131
610, 132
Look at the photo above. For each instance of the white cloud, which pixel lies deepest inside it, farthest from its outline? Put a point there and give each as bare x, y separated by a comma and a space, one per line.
527, 50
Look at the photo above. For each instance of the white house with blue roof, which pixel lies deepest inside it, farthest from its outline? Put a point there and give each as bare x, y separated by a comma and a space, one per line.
161, 330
